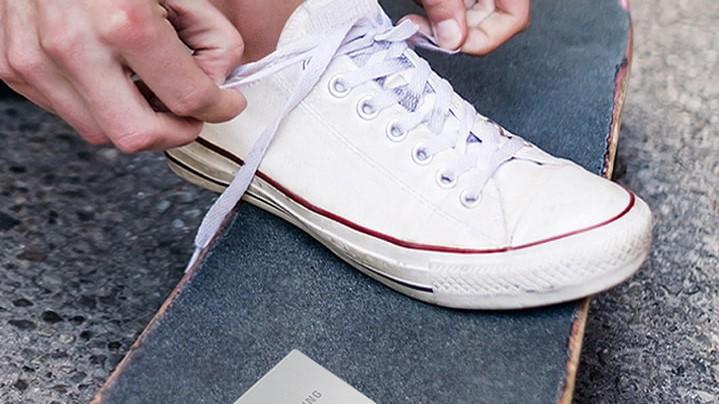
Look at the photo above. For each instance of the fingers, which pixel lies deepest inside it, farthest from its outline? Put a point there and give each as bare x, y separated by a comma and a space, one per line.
481, 25
447, 21
32, 95
37, 78
151, 48
9, 75
487, 33
478, 11
76, 58
109, 95
218, 46
112, 98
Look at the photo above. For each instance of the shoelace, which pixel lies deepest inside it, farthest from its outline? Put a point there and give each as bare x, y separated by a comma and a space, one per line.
385, 46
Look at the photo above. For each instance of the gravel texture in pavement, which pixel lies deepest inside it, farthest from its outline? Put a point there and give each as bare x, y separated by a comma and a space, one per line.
655, 339
91, 241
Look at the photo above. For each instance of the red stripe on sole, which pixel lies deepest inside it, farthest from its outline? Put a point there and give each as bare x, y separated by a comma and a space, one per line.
399, 242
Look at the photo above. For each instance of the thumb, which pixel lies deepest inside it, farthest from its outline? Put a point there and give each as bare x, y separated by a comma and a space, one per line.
447, 20
217, 45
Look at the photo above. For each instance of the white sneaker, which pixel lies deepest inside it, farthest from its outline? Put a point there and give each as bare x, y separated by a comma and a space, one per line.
376, 157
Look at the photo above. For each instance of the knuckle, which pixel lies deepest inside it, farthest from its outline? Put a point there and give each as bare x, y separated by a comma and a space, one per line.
63, 46
127, 24
25, 61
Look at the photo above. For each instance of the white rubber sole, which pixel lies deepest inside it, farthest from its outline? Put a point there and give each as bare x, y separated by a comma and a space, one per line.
557, 271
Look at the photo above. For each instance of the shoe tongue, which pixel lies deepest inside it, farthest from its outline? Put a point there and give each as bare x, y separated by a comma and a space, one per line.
315, 16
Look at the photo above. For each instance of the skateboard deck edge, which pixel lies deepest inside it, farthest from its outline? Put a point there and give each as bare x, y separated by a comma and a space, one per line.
621, 85
154, 321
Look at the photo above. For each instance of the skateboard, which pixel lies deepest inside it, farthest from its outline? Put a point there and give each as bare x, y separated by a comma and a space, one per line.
266, 289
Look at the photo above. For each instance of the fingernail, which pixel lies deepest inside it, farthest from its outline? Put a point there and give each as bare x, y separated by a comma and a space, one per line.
448, 34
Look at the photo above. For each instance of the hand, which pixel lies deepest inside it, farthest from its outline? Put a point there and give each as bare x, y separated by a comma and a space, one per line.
76, 58
473, 26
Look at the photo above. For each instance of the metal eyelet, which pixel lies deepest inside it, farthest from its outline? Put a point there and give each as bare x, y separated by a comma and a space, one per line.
446, 178
470, 199
365, 108
338, 87
395, 132
420, 155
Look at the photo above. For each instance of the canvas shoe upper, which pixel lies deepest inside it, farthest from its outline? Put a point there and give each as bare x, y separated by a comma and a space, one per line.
347, 126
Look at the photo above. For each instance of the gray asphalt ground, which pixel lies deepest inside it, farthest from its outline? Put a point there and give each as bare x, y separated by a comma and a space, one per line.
91, 241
